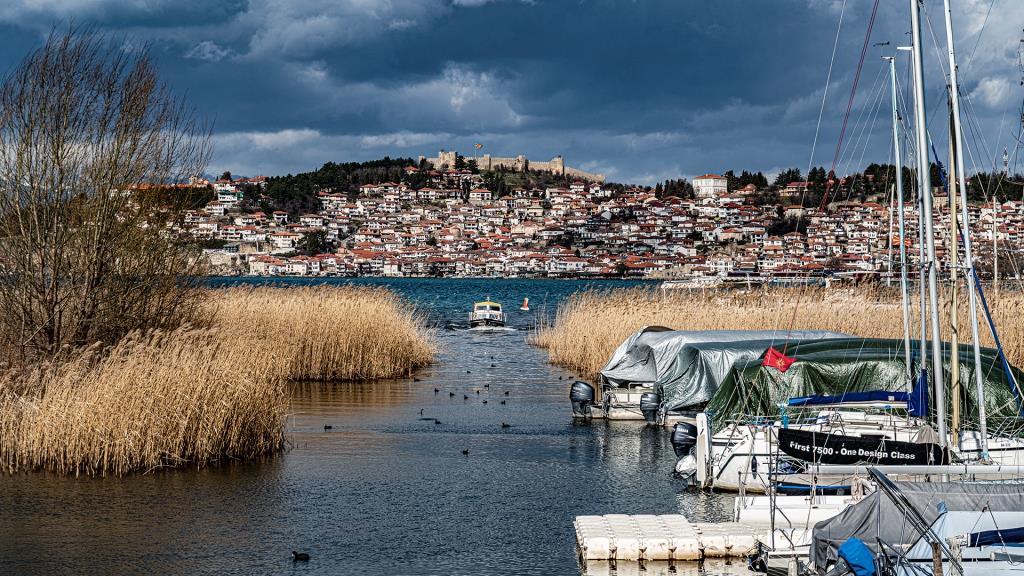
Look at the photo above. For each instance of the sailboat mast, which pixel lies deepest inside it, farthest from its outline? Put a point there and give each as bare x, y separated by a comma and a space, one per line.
925, 185
995, 244
922, 283
954, 277
905, 297
954, 99
888, 259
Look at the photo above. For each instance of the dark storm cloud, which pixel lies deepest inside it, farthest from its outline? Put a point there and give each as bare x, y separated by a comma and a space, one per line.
639, 90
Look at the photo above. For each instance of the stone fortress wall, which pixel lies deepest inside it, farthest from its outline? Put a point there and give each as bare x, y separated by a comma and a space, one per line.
487, 162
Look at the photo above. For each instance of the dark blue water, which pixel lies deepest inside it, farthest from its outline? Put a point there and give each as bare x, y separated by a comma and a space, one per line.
449, 300
383, 492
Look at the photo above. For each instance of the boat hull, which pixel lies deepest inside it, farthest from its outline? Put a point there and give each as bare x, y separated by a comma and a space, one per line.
478, 322
741, 458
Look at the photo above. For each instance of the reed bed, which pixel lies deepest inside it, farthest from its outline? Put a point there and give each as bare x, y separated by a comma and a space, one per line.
151, 401
590, 325
327, 333
198, 395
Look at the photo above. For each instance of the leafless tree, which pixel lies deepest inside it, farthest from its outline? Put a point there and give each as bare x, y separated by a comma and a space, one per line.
91, 142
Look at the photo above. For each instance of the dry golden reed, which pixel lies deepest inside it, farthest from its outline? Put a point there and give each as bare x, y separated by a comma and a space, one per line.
151, 401
197, 395
590, 325
327, 333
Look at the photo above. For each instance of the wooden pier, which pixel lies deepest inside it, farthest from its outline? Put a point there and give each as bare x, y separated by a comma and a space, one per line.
658, 538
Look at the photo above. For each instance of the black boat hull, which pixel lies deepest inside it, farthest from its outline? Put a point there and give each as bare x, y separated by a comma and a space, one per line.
486, 322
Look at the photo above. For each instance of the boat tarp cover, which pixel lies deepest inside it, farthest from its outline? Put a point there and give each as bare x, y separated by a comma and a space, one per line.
955, 523
1003, 536
858, 557
877, 517
686, 367
835, 367
869, 396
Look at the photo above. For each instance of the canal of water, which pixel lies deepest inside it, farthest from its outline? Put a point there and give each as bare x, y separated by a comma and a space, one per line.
384, 491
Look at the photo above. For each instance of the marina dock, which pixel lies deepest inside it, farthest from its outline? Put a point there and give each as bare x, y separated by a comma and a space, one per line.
661, 537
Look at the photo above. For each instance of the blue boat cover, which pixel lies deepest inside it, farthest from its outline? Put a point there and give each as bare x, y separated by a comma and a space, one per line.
990, 537
918, 403
869, 396
858, 557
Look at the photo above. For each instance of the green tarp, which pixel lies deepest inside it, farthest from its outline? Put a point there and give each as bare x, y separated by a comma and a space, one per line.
859, 365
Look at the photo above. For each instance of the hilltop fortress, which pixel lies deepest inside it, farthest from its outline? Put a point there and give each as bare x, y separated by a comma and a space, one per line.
446, 159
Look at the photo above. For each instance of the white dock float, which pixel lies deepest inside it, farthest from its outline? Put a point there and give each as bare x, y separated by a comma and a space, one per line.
665, 537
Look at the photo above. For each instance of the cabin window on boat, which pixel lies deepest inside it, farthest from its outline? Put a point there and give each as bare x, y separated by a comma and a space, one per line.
486, 307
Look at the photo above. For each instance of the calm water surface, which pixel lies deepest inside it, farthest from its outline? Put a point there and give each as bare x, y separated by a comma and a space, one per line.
383, 492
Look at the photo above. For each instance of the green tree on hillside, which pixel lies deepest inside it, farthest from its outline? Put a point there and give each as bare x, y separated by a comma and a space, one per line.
787, 176
314, 242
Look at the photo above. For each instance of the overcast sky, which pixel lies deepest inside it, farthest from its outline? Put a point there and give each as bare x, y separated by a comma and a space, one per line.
638, 90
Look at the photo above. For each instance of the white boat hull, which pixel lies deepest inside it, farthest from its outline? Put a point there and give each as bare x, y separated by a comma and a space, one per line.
739, 457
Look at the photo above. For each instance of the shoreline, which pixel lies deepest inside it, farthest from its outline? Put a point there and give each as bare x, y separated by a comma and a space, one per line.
202, 394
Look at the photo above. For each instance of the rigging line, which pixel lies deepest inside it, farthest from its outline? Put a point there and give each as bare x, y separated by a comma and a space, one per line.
972, 116
910, 143
824, 95
981, 34
855, 132
962, 229
990, 190
869, 133
939, 57
821, 111
853, 94
874, 96
999, 138
935, 42
970, 153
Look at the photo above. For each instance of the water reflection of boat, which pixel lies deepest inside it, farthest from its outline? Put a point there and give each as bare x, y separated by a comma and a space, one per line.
486, 313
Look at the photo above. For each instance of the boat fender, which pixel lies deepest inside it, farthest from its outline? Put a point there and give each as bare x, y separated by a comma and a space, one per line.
687, 466
684, 438
649, 404
581, 394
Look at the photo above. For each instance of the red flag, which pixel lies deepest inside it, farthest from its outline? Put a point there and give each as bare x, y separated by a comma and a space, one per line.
777, 360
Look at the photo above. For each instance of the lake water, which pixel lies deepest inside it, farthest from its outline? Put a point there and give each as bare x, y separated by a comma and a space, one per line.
383, 492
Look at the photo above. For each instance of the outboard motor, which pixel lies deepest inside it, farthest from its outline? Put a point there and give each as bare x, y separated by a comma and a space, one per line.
649, 404
684, 438
582, 397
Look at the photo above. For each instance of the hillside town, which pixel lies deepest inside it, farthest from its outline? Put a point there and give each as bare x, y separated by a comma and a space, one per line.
453, 226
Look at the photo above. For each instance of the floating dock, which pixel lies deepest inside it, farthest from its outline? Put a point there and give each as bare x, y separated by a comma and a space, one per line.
658, 538
720, 567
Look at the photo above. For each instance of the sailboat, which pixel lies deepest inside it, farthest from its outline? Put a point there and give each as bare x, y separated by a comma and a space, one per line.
821, 442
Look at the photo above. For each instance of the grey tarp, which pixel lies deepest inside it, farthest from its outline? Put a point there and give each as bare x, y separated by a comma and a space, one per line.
877, 517
686, 367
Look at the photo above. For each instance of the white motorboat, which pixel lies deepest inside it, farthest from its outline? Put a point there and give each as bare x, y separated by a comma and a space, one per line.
486, 313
